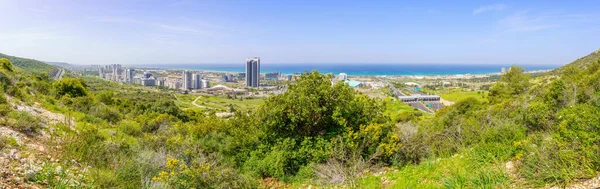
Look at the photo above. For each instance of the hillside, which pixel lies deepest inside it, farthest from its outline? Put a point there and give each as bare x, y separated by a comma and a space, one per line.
580, 63
527, 133
29, 65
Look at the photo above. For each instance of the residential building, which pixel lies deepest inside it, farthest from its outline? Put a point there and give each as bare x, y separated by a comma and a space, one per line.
197, 81
101, 72
227, 78
129, 75
273, 76
253, 72
187, 80
148, 79
205, 84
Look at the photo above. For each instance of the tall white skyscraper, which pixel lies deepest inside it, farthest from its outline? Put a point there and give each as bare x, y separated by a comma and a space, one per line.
187, 80
129, 75
253, 72
101, 72
197, 81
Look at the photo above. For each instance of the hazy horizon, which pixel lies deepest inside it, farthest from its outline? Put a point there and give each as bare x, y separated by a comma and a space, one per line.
282, 32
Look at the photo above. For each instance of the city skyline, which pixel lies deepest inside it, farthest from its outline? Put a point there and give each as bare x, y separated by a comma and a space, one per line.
200, 32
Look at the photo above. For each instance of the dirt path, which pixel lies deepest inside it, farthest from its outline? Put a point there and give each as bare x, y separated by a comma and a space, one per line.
446, 102
194, 103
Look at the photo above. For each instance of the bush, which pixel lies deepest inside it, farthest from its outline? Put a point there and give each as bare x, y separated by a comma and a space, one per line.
70, 86
203, 171
549, 161
107, 113
7, 142
5, 109
538, 116
130, 127
6, 64
25, 122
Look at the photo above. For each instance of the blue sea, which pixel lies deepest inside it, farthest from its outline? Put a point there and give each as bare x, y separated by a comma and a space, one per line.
360, 69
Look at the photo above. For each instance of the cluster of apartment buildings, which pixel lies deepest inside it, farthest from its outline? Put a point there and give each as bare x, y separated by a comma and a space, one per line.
188, 81
115, 72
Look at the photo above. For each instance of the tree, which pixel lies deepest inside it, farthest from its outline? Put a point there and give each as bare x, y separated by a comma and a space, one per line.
313, 106
513, 82
516, 79
70, 86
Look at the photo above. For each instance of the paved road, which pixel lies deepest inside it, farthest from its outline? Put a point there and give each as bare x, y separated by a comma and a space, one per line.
396, 91
420, 106
59, 74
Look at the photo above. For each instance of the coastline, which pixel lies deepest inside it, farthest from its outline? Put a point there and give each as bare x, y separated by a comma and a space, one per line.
408, 70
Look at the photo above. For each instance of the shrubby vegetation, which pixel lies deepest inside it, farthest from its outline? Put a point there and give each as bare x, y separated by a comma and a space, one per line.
28, 66
322, 133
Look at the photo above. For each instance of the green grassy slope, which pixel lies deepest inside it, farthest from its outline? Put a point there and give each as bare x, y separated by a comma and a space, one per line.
29, 65
580, 63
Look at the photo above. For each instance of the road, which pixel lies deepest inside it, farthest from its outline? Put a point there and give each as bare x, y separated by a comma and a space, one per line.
396, 91
59, 75
421, 107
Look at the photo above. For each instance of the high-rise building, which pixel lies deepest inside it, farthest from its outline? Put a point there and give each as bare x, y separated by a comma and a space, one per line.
101, 72
197, 81
129, 75
253, 72
503, 70
227, 78
205, 84
187, 80
148, 79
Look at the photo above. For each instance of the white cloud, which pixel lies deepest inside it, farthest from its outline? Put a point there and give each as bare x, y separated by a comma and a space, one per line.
524, 22
495, 7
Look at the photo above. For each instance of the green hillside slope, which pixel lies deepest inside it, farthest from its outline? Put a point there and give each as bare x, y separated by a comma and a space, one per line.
29, 65
580, 63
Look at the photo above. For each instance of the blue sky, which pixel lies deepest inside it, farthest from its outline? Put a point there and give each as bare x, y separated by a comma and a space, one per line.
307, 31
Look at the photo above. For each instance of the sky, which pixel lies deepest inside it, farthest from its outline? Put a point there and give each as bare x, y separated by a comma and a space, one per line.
303, 31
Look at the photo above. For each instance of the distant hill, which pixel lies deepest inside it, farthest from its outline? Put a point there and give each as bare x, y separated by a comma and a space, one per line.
580, 63
67, 65
29, 65
59, 64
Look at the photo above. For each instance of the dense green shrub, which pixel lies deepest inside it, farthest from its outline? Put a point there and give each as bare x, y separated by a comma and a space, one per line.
5, 109
539, 116
6, 64
105, 97
70, 86
107, 113
130, 127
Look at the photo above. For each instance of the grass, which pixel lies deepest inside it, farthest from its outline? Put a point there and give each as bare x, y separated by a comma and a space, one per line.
456, 95
478, 167
8, 142
394, 107
217, 102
